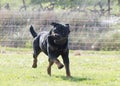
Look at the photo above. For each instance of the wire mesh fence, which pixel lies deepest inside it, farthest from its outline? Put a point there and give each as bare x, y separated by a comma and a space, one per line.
86, 32
90, 29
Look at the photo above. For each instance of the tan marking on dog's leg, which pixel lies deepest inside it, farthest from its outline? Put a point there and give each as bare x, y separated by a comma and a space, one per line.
59, 64
34, 63
49, 68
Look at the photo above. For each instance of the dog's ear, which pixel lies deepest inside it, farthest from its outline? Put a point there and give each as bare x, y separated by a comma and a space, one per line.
54, 24
67, 25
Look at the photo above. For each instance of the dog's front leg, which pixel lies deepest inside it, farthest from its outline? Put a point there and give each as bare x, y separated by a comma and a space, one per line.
66, 63
59, 64
49, 68
51, 61
53, 58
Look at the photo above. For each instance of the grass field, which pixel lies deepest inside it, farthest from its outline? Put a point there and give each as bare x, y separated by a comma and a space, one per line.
91, 68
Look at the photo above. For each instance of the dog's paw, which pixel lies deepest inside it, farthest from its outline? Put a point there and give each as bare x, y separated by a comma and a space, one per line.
69, 77
49, 71
34, 66
61, 66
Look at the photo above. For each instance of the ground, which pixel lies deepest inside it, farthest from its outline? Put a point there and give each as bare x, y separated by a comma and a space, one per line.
89, 68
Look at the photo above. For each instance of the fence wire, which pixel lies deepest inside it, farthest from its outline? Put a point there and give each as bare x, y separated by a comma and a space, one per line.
89, 32
91, 29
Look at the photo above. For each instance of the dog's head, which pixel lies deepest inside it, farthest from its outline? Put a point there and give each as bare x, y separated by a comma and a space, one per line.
60, 32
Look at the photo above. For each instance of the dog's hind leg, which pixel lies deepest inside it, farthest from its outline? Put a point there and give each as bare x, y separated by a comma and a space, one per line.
37, 50
35, 60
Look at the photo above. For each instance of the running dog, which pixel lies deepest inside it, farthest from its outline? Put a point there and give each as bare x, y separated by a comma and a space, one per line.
53, 43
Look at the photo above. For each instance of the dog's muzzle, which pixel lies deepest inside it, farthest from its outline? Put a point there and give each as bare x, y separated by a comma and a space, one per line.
58, 36
60, 40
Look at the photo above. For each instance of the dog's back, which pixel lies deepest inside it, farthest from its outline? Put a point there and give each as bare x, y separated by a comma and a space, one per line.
40, 39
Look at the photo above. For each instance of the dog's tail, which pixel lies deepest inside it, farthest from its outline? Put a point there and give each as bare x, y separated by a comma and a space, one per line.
34, 34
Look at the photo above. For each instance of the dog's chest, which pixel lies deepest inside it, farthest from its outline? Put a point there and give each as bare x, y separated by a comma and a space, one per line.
57, 49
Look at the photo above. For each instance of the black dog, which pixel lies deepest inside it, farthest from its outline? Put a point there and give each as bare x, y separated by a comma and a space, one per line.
53, 44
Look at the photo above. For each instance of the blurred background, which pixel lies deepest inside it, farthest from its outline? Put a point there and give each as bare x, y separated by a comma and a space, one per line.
94, 24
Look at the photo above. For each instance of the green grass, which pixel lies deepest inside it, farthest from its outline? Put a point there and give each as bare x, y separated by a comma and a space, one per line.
92, 68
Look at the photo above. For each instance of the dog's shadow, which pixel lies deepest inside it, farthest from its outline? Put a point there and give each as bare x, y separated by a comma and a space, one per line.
74, 78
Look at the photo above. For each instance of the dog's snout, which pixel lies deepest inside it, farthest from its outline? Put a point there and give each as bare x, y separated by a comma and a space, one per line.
57, 35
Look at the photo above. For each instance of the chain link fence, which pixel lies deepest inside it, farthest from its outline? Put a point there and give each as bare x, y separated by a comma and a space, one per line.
90, 29
87, 32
